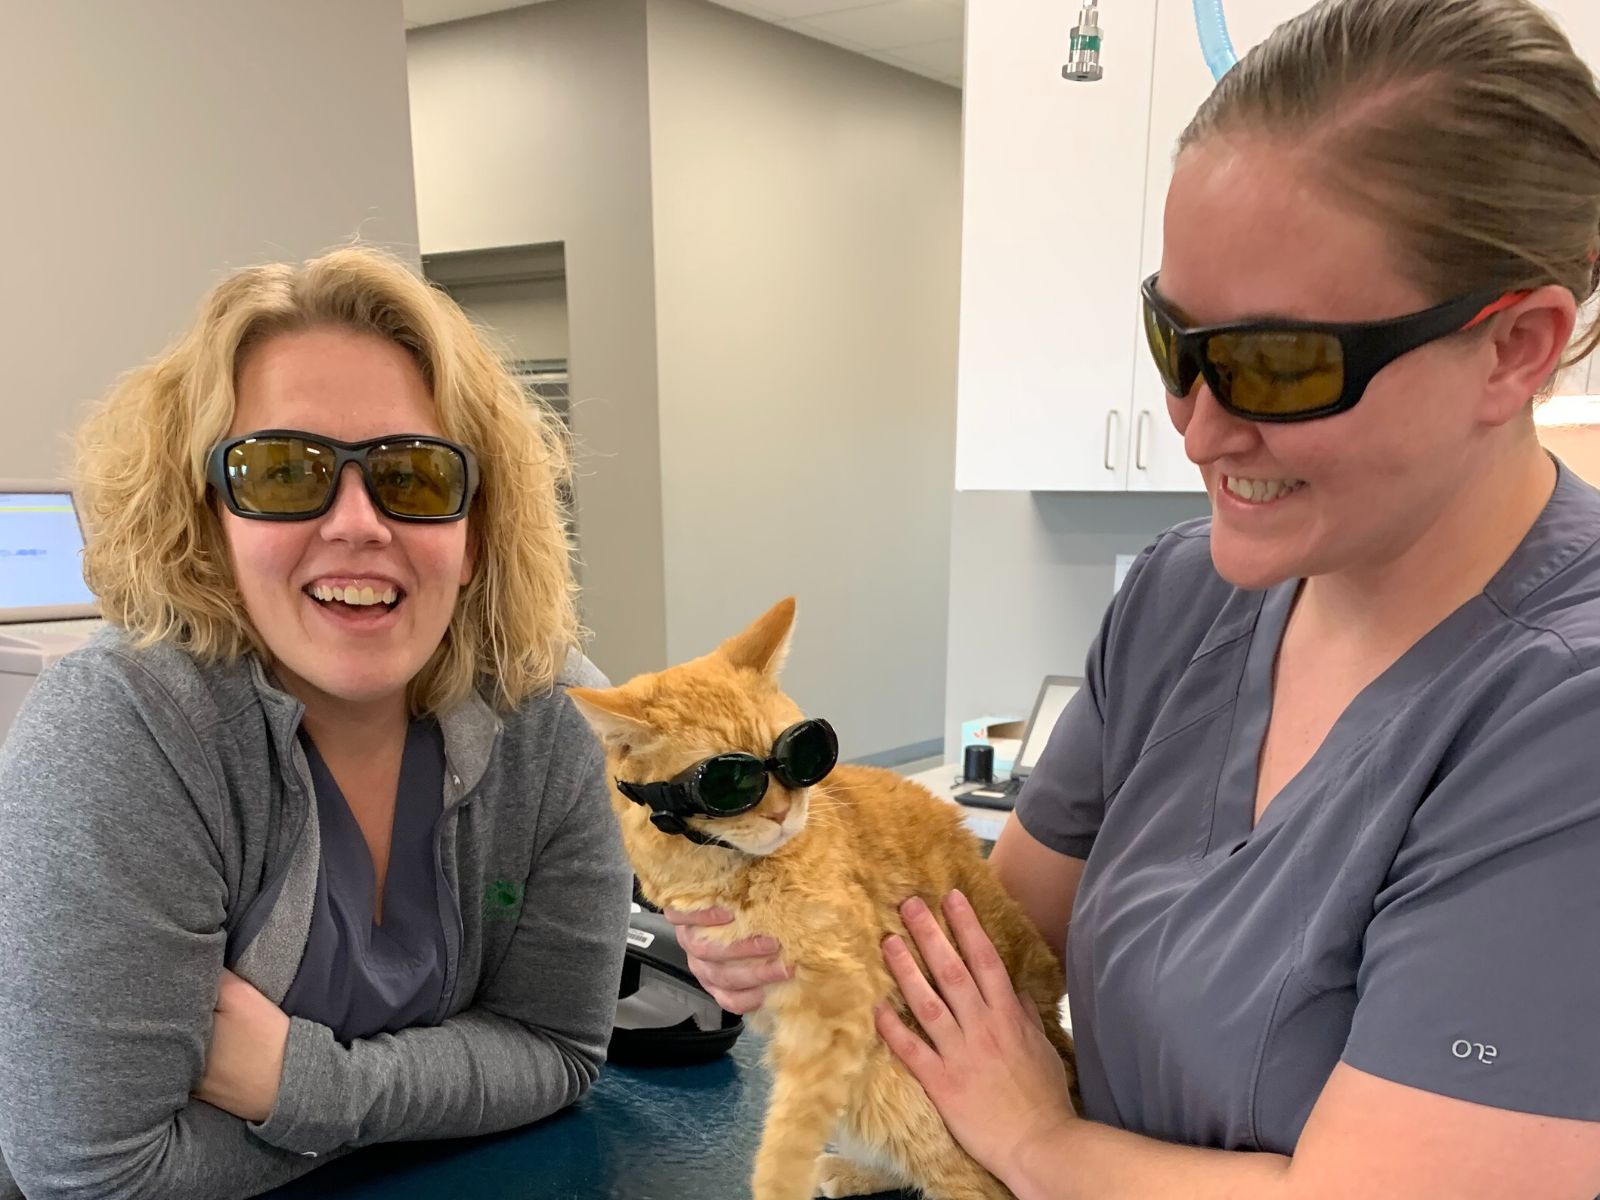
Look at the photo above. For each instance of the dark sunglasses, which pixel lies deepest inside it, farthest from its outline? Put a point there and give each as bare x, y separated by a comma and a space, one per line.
1297, 370
726, 785
287, 475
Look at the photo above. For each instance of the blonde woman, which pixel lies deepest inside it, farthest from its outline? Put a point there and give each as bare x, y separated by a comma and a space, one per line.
309, 850
1324, 824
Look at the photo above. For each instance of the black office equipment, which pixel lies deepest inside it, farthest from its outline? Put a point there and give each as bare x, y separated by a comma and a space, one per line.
1054, 693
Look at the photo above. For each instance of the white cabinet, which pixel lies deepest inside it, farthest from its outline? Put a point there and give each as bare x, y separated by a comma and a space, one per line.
1181, 82
1064, 191
1052, 228
1581, 20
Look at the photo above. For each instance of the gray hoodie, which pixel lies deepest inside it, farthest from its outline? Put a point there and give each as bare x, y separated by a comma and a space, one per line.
146, 802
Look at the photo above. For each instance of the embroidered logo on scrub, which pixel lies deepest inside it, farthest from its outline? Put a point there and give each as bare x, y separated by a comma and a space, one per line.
1465, 1049
502, 898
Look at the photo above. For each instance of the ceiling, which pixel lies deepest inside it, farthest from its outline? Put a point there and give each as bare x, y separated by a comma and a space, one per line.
924, 36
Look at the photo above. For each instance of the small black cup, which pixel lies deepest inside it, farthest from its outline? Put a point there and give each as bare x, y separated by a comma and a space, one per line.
977, 764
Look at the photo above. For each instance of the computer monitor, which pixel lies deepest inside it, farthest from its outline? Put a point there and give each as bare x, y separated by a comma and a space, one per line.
1052, 700
41, 555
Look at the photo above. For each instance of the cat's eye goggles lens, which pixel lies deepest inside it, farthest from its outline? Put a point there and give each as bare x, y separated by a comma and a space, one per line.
726, 785
734, 783
729, 784
287, 475
804, 754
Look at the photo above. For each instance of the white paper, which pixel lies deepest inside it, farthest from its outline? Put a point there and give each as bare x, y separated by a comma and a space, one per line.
1124, 563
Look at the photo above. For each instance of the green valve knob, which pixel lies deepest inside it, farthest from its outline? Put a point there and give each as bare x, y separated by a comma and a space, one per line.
1083, 48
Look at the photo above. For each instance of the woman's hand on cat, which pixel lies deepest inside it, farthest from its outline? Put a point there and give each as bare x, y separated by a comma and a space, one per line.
735, 973
244, 1062
990, 1071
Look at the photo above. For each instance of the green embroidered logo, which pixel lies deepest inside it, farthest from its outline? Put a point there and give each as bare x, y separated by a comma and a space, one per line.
502, 898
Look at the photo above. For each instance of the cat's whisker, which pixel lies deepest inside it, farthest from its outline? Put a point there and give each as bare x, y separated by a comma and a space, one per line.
844, 787
834, 819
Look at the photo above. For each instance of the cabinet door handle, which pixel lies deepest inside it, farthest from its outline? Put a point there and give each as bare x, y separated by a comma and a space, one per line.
1113, 422
1141, 445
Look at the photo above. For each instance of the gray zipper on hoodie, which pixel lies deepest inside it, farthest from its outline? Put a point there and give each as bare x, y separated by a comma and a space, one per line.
146, 802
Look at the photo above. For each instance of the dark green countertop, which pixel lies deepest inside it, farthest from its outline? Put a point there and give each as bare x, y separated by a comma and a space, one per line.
682, 1133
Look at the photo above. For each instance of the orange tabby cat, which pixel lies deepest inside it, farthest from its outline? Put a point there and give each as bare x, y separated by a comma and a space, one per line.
822, 869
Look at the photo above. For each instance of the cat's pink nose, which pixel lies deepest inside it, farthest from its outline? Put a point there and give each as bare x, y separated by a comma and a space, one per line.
777, 818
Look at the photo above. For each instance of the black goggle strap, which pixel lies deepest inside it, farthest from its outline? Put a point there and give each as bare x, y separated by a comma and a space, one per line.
668, 803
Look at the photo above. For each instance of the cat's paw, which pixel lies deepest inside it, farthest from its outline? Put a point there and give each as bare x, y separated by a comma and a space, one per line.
838, 1176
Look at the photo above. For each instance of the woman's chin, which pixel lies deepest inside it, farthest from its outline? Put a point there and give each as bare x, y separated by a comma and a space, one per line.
1251, 567
359, 684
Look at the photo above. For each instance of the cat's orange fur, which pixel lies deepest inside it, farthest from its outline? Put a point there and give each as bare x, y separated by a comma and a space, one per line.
824, 871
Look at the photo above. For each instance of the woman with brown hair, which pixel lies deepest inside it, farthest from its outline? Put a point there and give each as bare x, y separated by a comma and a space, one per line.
1325, 820
309, 850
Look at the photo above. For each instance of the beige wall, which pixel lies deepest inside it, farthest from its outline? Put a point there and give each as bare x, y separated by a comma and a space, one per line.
532, 126
807, 225
149, 148
1030, 585
761, 238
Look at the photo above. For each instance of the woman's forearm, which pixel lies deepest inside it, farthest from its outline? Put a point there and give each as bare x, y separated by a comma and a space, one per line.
1088, 1161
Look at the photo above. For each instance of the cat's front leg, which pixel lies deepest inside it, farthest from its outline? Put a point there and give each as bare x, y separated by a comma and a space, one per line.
839, 1176
816, 1054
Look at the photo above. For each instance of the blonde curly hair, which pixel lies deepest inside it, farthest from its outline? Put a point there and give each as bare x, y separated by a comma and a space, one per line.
155, 552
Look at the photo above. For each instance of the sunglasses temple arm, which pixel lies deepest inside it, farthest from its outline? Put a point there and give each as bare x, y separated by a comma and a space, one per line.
1499, 306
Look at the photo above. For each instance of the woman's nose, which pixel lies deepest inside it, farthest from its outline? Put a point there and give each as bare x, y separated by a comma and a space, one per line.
1211, 432
354, 518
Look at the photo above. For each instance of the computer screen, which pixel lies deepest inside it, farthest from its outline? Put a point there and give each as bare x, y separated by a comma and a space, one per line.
1049, 709
41, 552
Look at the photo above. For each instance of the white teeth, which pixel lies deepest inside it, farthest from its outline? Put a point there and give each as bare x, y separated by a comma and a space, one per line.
1260, 491
359, 597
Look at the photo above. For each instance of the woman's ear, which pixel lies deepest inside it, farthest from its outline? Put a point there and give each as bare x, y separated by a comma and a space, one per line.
1528, 341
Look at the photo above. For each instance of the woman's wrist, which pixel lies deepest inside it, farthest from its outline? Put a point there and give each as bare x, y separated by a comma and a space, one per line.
1033, 1169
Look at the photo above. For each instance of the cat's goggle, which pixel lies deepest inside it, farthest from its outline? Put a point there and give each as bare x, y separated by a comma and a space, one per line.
726, 785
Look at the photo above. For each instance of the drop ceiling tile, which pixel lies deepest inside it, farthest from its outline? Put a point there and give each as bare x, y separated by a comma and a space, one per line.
753, 8
794, 10
888, 59
890, 25
941, 58
419, 13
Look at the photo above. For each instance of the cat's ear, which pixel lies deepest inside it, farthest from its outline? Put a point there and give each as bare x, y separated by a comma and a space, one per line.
613, 716
765, 645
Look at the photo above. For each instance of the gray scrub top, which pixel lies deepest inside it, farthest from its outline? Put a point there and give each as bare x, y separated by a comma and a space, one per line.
1421, 901
356, 977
